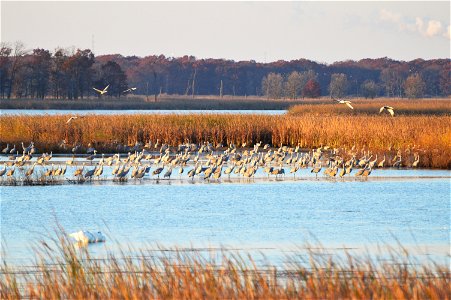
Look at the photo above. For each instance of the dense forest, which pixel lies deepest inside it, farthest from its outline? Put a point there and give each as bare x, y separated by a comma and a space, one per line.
72, 74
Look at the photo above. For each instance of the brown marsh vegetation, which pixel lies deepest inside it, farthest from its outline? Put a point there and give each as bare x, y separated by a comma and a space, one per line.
429, 136
63, 271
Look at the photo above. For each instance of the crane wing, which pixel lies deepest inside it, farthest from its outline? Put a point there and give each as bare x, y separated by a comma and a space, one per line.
382, 109
349, 104
106, 88
98, 91
391, 111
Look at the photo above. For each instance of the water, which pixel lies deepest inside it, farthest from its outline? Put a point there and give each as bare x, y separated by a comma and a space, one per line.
123, 112
262, 214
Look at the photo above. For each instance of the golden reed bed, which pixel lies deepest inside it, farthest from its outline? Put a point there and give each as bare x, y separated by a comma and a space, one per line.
63, 272
426, 133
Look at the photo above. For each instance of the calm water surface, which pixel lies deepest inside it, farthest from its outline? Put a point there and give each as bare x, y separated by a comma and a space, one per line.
274, 214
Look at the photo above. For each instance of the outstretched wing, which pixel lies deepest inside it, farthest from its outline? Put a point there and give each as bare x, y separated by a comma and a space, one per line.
106, 88
391, 111
349, 104
382, 109
98, 91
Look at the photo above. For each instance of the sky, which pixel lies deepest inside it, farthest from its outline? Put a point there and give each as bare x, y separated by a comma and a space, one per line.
325, 31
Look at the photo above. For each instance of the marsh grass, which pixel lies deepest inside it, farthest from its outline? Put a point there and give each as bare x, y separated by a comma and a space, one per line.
64, 271
427, 135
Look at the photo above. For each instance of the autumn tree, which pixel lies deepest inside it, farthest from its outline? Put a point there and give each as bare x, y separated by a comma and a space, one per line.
5, 52
338, 85
293, 85
14, 65
393, 81
272, 85
59, 78
78, 69
414, 86
369, 89
431, 78
40, 72
312, 89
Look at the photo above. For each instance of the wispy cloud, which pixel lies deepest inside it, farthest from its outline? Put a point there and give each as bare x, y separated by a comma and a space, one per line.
425, 27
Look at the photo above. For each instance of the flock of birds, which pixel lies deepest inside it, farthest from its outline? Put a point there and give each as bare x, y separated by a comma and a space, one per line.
207, 162
348, 103
105, 90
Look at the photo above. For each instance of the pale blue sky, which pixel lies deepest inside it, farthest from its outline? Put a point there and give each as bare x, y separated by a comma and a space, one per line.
321, 31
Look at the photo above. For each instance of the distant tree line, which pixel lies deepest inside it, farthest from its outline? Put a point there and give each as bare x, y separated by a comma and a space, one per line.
71, 74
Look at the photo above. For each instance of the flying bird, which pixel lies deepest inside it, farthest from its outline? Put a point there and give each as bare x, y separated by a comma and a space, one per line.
101, 92
129, 90
390, 109
348, 103
72, 118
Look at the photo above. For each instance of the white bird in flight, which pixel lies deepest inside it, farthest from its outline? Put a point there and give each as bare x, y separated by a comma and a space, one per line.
72, 118
129, 90
101, 92
390, 109
348, 103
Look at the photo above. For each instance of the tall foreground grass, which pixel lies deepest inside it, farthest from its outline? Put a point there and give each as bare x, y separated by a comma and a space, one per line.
430, 136
63, 272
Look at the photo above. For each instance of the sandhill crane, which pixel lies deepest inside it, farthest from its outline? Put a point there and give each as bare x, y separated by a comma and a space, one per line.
10, 172
217, 173
360, 171
157, 171
229, 170
367, 172
373, 162
390, 109
316, 170
63, 170
381, 163
57, 172
91, 157
6, 150
27, 149
71, 161
348, 103
79, 171
140, 173
191, 173
49, 172
398, 163
99, 171
168, 173
48, 157
101, 92
13, 150
116, 169
3, 171
334, 171
123, 173
181, 171
268, 170
294, 169
343, 171
90, 173
416, 162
